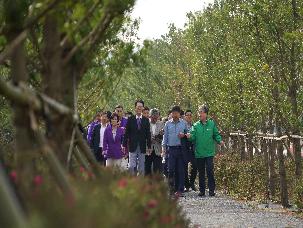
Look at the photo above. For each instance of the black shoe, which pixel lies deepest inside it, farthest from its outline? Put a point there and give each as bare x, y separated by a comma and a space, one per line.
201, 194
212, 194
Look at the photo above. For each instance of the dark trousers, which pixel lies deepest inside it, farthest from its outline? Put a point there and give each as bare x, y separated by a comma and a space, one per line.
176, 167
190, 178
207, 163
165, 164
153, 164
99, 157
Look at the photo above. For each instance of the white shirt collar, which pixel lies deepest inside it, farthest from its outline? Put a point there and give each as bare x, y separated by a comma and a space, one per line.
138, 117
104, 126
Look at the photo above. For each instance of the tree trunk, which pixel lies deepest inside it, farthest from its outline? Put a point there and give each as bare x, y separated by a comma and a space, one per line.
282, 173
234, 144
294, 87
57, 84
272, 171
242, 148
298, 159
264, 150
250, 147
23, 117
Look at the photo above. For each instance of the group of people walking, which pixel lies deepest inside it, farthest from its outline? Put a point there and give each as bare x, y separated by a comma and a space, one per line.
155, 145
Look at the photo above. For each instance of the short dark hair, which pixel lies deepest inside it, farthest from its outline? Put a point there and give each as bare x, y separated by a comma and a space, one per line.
109, 114
182, 113
188, 110
146, 108
119, 106
139, 101
129, 113
97, 114
113, 116
176, 108
102, 113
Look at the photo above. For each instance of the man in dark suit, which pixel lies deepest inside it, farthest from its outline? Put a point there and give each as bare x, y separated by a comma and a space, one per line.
97, 138
137, 137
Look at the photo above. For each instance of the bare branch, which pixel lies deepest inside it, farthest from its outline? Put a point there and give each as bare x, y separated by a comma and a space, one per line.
11, 47
87, 153
93, 35
56, 167
89, 13
22, 95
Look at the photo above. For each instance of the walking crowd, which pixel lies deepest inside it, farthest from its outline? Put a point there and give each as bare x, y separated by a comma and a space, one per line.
153, 145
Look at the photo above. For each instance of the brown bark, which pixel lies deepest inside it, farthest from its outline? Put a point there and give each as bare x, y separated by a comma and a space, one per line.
242, 147
23, 116
298, 158
282, 173
264, 150
57, 84
293, 89
272, 171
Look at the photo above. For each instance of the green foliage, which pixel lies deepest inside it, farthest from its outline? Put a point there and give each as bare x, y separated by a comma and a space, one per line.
232, 55
242, 179
6, 128
298, 193
247, 180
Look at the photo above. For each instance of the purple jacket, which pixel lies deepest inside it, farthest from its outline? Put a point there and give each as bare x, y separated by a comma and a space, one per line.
90, 131
111, 146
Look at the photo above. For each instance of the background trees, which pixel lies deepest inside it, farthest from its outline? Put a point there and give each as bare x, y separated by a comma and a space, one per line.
244, 59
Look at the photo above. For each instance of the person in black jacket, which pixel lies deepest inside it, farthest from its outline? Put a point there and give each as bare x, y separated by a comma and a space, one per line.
137, 137
190, 154
97, 138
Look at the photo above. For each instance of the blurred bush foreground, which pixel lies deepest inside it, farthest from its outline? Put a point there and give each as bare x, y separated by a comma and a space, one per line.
113, 199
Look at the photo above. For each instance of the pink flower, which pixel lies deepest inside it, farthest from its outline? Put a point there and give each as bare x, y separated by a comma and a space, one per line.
13, 176
122, 183
38, 180
82, 170
152, 203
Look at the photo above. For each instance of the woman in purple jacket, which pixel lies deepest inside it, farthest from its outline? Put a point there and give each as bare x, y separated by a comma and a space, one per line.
112, 142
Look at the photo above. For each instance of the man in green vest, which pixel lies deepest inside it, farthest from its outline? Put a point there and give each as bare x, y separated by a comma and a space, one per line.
204, 134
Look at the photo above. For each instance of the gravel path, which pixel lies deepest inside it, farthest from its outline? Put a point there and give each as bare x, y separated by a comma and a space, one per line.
221, 211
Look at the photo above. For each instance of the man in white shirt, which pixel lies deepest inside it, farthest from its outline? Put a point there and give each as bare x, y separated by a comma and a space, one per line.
97, 138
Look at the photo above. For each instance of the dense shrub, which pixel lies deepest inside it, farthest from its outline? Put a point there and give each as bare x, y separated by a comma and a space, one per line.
247, 179
114, 200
